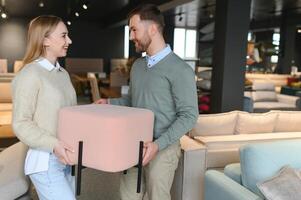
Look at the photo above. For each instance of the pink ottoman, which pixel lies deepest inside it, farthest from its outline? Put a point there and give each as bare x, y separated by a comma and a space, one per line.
110, 135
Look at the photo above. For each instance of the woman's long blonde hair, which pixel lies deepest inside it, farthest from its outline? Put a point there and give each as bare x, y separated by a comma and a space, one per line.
39, 28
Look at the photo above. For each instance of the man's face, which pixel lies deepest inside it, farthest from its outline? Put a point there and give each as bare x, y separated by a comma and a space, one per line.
139, 33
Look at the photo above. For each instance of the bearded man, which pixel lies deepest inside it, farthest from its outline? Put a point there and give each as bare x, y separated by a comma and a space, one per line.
163, 83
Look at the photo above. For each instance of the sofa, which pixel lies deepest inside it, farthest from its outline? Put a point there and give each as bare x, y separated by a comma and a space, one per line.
277, 79
259, 163
13, 182
264, 98
214, 142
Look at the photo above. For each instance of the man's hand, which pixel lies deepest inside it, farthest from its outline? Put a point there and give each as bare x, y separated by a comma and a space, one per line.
101, 101
150, 151
60, 151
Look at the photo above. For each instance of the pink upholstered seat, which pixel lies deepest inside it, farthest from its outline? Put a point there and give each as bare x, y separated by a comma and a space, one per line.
110, 134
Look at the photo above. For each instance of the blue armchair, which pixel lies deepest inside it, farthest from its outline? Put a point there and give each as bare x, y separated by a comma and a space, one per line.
257, 163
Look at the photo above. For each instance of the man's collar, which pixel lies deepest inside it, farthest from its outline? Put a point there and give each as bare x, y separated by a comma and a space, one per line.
165, 50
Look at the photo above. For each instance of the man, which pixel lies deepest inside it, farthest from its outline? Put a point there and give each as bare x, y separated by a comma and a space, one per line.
164, 83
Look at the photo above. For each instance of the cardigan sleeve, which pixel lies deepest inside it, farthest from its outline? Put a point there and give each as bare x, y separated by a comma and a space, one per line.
26, 88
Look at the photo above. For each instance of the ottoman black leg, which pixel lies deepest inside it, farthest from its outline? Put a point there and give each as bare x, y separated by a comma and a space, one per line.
140, 167
79, 167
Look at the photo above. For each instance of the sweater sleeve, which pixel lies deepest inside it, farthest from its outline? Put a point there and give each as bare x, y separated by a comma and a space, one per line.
123, 101
26, 88
185, 98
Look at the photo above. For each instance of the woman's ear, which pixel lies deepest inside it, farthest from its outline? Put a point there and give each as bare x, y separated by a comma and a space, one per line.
46, 42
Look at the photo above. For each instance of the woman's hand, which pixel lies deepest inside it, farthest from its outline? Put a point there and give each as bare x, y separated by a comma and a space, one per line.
60, 150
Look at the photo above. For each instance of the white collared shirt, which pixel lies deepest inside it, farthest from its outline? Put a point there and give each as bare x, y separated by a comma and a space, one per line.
37, 160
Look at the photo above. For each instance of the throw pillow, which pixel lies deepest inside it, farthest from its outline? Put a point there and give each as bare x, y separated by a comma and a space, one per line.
215, 124
285, 185
204, 84
206, 74
248, 123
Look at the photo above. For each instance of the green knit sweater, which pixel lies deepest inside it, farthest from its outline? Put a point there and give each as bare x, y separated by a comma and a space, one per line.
169, 90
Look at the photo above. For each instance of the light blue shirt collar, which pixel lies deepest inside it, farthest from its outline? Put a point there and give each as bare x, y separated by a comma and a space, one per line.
47, 64
152, 60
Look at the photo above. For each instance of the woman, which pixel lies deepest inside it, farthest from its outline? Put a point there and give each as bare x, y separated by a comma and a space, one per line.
40, 89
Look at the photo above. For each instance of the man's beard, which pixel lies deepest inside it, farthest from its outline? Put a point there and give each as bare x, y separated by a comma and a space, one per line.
142, 45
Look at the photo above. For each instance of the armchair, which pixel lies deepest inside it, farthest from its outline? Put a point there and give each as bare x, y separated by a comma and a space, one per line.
13, 182
257, 163
265, 98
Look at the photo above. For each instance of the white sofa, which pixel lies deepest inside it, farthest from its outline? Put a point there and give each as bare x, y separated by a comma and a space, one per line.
215, 139
277, 79
265, 98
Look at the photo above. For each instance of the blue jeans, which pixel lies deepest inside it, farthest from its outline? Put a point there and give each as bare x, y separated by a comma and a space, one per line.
56, 183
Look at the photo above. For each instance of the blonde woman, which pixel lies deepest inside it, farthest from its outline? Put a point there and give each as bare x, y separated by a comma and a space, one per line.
40, 89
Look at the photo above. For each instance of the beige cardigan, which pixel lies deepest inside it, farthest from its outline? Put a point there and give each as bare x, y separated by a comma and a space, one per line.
38, 95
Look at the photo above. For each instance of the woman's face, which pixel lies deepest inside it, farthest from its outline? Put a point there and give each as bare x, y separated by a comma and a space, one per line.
57, 42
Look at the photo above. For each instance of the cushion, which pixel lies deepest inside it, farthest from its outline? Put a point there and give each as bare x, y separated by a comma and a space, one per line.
206, 74
285, 184
223, 142
110, 134
204, 84
263, 160
261, 96
288, 121
263, 86
233, 171
274, 105
255, 123
215, 124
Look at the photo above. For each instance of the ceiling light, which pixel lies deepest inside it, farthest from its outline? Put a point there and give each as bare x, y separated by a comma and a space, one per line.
76, 14
85, 6
299, 30
69, 23
3, 15
41, 4
211, 16
3, 12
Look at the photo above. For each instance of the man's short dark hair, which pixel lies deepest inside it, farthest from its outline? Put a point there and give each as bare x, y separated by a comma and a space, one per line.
149, 12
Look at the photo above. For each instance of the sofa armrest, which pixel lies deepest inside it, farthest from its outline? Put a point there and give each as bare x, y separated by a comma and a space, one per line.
219, 186
190, 144
287, 99
189, 176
